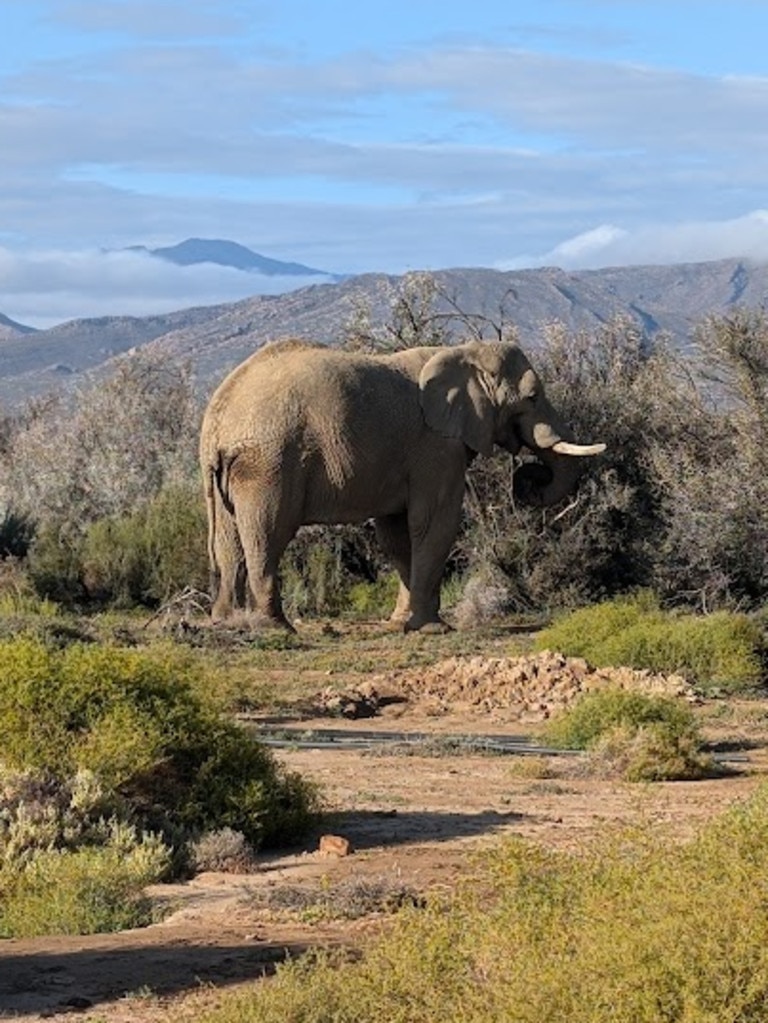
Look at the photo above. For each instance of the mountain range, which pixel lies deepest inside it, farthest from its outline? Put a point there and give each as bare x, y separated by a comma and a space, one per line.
212, 339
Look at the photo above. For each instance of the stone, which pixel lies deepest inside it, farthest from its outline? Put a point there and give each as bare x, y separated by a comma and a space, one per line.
334, 845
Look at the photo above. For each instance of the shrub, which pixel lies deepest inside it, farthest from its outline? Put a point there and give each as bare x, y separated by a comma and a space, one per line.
87, 890
721, 651
650, 753
136, 720
323, 563
144, 557
103, 451
594, 714
632, 735
66, 866
222, 850
373, 599
485, 597
137, 558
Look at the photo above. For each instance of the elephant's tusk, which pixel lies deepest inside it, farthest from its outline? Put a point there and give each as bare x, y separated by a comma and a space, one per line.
564, 447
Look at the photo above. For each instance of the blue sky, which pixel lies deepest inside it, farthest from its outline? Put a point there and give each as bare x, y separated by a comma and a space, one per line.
364, 137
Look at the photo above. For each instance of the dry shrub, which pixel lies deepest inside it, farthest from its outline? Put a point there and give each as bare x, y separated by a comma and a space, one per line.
223, 850
348, 899
485, 598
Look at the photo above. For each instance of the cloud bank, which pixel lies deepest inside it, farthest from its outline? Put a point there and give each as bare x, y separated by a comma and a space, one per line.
743, 237
41, 289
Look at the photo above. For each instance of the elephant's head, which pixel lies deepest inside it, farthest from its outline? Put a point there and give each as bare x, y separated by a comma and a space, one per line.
488, 393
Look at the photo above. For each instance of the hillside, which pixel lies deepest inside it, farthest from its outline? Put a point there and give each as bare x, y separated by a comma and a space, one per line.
661, 298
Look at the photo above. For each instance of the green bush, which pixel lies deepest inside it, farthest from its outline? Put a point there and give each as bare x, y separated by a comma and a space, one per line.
144, 557
650, 753
139, 558
88, 890
632, 928
594, 714
633, 735
723, 651
136, 720
373, 600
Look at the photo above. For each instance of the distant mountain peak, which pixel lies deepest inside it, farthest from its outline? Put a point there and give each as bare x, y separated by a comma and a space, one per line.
9, 327
223, 252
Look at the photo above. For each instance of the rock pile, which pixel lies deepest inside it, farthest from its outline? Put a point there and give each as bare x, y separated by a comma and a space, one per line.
534, 685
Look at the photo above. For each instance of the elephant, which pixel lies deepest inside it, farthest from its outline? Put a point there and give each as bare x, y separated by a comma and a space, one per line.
301, 433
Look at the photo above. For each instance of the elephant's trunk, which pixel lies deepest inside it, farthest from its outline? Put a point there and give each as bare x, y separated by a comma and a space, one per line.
560, 465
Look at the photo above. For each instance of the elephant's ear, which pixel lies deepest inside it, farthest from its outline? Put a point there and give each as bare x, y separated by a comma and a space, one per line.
455, 396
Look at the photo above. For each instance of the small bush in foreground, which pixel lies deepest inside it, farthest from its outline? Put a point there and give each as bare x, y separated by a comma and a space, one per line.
633, 928
718, 652
633, 735
88, 890
135, 719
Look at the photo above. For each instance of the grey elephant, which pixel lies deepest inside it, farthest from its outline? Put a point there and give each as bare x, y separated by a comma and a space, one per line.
301, 433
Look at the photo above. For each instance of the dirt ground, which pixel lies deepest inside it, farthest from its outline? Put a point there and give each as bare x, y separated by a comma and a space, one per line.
413, 822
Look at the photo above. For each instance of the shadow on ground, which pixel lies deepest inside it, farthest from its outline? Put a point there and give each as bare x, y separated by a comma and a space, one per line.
370, 828
47, 980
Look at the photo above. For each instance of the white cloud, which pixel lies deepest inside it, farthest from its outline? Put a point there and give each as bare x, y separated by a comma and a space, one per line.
407, 156
689, 242
44, 288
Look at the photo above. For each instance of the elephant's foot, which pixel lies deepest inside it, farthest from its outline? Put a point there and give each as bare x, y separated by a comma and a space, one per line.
267, 623
394, 625
431, 627
240, 618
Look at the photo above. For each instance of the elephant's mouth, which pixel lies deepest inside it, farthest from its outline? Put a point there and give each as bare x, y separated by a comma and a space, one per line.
529, 480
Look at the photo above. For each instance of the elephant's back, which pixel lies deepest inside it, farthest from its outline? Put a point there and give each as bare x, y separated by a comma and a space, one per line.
313, 398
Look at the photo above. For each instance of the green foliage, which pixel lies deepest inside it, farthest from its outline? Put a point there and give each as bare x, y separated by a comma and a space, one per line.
68, 864
599, 712
621, 932
136, 720
87, 890
373, 600
144, 557
323, 567
653, 752
139, 558
632, 735
719, 652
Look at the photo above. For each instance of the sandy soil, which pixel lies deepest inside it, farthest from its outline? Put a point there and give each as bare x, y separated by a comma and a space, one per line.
413, 821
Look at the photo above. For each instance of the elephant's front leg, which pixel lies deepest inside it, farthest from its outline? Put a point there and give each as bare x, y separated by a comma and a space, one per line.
395, 541
433, 526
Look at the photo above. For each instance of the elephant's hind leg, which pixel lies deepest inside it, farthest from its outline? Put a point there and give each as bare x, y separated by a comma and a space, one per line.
264, 534
228, 572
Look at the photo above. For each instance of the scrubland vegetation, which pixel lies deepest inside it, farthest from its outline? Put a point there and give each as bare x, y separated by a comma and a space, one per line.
119, 764
103, 504
630, 928
115, 764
